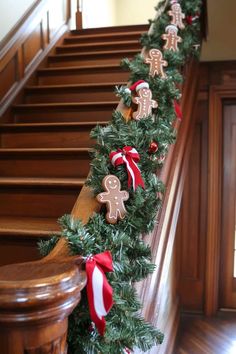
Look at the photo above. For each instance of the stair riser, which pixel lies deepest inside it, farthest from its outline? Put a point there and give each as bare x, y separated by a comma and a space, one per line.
67, 138
94, 48
74, 166
37, 202
83, 77
91, 60
44, 116
15, 250
99, 95
115, 38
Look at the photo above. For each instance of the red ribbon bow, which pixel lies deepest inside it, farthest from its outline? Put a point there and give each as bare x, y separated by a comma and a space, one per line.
178, 111
99, 291
128, 156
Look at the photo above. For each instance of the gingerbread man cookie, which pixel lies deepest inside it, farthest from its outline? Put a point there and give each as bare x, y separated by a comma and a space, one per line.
171, 38
114, 199
177, 15
156, 63
145, 103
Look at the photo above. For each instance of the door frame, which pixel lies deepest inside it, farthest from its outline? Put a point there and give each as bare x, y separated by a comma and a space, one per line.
216, 96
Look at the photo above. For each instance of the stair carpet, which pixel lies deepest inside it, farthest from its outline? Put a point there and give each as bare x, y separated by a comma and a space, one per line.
45, 148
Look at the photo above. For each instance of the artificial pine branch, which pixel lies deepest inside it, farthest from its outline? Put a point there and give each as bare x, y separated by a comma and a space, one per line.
131, 256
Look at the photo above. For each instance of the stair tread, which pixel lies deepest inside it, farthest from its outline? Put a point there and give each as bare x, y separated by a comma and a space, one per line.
98, 44
104, 52
112, 29
74, 86
34, 227
53, 125
64, 104
82, 67
43, 150
41, 181
104, 35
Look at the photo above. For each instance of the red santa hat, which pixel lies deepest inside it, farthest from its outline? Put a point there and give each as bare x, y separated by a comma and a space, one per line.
137, 86
173, 2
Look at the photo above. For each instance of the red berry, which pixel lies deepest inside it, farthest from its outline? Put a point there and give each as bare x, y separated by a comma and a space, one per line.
153, 147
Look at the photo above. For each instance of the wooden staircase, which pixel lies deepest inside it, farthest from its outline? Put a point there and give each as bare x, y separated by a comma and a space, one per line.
45, 144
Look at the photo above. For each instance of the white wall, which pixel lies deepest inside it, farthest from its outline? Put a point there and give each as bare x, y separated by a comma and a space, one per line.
98, 13
10, 13
221, 31
132, 12
105, 13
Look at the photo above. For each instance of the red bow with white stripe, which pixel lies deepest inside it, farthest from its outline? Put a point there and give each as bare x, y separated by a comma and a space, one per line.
99, 291
128, 156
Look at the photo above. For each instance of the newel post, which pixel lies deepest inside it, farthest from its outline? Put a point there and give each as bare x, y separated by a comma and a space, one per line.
36, 299
78, 15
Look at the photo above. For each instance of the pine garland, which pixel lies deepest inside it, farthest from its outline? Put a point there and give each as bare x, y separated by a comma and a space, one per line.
125, 328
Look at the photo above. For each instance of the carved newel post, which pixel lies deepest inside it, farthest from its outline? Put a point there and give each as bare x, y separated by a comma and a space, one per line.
36, 299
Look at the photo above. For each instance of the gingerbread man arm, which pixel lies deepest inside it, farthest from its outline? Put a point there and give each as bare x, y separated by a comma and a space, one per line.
102, 197
154, 104
148, 60
164, 63
136, 100
125, 195
164, 36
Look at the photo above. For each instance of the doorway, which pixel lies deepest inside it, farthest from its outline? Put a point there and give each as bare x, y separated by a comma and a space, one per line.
227, 293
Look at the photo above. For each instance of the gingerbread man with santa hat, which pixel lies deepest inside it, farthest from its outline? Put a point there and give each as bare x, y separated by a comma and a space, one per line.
144, 100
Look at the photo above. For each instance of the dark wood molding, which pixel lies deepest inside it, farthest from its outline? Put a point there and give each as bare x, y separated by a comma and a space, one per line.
217, 94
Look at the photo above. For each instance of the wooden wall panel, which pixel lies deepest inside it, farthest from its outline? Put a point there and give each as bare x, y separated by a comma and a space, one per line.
32, 46
8, 77
191, 231
29, 45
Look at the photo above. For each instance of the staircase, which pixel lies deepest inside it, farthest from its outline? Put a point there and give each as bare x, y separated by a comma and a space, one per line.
45, 144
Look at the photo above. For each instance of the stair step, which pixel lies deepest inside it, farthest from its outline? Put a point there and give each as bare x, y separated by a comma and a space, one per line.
41, 182
44, 162
47, 135
64, 112
83, 58
111, 30
98, 47
81, 74
37, 200
71, 93
19, 237
75, 38
28, 227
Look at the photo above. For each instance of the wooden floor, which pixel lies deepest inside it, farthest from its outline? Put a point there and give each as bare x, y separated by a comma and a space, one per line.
200, 335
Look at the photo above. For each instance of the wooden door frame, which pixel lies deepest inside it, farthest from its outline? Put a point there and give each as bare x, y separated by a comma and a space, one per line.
216, 97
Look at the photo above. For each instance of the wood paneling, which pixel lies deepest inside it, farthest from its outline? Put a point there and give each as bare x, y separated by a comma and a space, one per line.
32, 46
192, 221
228, 233
8, 77
200, 222
33, 39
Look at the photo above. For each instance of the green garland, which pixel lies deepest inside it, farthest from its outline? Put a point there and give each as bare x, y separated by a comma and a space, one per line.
125, 328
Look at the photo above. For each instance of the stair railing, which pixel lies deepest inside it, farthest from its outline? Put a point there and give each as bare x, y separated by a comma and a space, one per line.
36, 298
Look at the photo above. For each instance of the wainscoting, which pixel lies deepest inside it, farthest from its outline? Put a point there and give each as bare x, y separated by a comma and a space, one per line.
25, 47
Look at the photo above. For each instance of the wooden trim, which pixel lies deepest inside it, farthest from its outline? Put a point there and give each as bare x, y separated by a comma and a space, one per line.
217, 94
27, 47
